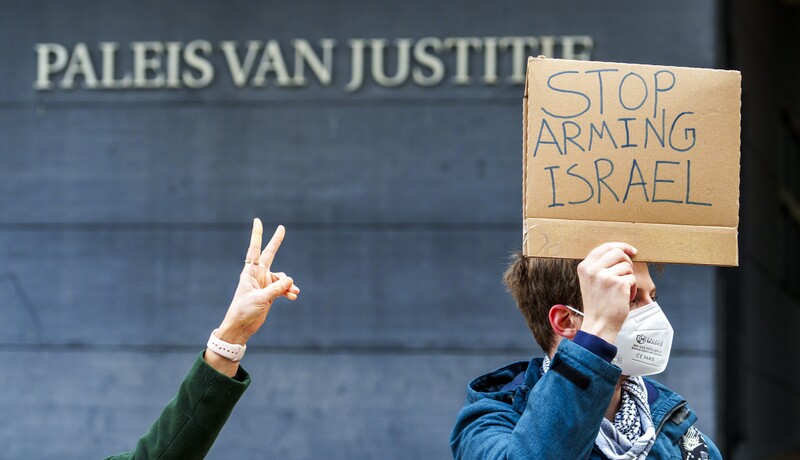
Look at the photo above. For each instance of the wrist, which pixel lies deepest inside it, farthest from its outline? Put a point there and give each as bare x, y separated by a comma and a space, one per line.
220, 364
600, 329
231, 351
236, 335
596, 345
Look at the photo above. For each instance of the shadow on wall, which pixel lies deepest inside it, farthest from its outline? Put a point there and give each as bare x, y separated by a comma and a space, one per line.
22, 323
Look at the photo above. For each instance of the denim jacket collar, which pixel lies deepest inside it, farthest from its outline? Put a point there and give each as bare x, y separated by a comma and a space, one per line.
511, 384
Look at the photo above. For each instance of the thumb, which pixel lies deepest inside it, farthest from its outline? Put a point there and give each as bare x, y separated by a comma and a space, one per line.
276, 289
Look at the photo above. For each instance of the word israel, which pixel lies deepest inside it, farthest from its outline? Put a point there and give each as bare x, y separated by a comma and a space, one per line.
424, 62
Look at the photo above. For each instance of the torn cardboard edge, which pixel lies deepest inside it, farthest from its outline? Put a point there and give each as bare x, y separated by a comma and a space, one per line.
682, 244
526, 135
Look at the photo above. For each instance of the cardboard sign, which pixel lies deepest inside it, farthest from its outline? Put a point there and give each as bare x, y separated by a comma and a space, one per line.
648, 155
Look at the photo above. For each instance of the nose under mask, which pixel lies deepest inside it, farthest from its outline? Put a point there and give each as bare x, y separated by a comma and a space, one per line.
644, 342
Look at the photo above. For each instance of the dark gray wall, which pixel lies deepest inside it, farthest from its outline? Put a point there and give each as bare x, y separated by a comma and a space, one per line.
125, 217
763, 393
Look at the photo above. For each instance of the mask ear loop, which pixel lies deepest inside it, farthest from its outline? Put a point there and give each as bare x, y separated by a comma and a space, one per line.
575, 310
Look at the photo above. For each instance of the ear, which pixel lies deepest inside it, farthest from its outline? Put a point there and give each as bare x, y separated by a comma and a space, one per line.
564, 322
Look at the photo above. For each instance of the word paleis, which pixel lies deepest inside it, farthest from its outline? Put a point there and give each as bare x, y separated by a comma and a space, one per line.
424, 62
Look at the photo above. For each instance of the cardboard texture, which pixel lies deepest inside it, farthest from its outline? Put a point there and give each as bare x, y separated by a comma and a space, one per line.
644, 154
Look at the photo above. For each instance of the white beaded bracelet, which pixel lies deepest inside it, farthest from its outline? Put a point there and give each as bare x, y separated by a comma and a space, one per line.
231, 351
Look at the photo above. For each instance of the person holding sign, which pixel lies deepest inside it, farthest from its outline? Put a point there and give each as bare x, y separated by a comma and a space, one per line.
190, 423
602, 330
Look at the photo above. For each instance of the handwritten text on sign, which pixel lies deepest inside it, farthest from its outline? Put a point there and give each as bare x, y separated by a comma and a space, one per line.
611, 139
634, 94
623, 152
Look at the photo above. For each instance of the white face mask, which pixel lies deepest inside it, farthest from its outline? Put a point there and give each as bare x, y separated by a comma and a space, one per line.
644, 342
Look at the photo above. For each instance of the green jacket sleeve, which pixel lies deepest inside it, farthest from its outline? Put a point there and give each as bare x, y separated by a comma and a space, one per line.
191, 421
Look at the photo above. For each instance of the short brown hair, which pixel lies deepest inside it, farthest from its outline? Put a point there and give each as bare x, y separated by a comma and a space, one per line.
538, 283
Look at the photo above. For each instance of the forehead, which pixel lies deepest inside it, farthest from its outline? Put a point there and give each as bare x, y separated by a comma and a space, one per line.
643, 279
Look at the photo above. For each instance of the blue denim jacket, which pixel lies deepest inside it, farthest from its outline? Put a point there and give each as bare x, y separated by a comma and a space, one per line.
557, 415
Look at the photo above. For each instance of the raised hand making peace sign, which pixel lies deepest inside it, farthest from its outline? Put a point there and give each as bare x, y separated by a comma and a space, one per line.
258, 288
191, 421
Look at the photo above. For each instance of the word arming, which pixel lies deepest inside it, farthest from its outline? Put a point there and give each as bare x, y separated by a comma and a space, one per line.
426, 61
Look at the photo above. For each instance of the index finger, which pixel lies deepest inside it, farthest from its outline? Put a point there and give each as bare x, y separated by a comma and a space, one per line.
272, 247
254, 250
601, 250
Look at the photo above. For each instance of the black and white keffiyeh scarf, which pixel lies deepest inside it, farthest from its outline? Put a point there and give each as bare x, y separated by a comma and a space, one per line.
632, 434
